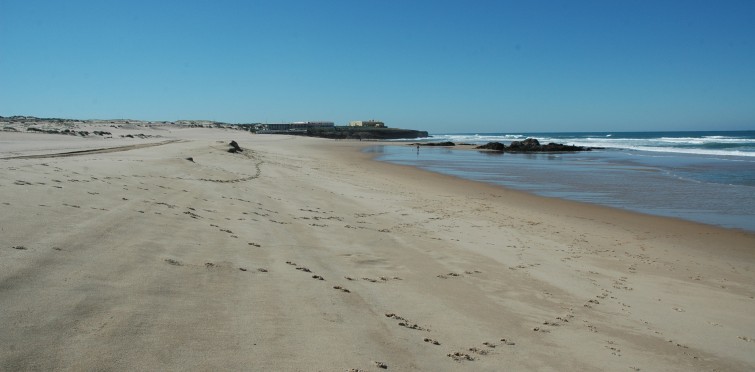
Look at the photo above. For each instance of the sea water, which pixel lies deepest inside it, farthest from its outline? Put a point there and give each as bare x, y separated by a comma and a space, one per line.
707, 177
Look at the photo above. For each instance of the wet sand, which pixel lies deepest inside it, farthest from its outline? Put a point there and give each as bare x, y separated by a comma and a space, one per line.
305, 254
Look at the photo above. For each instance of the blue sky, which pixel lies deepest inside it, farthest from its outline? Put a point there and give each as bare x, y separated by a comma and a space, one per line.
441, 66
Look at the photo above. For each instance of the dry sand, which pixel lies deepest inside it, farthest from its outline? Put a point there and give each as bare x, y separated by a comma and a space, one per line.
303, 254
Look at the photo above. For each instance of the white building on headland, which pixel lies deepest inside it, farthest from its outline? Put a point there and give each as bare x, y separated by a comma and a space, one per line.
297, 126
367, 123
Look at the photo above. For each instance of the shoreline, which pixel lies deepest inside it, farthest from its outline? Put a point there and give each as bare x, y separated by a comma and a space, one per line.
142, 259
572, 208
567, 180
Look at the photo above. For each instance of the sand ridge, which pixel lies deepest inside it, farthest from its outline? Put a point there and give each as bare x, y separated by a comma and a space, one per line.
304, 254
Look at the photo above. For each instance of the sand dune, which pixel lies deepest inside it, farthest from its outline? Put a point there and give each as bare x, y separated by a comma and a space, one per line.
303, 254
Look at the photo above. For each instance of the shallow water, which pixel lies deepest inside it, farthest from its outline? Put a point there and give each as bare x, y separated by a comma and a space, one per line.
717, 190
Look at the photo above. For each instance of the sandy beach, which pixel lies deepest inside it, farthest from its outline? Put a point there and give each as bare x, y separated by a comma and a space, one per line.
167, 252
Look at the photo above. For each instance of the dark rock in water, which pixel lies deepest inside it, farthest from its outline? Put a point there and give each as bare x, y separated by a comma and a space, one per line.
435, 144
234, 147
561, 147
532, 145
496, 146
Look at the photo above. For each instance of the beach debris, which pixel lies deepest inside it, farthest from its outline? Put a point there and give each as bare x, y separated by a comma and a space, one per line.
190, 159
234, 147
262, 270
173, 262
20, 247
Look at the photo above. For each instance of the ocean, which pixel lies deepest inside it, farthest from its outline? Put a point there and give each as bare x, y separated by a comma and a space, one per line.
706, 177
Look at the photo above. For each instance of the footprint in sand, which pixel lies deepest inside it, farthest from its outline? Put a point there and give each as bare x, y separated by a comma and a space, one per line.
508, 342
317, 277
478, 351
406, 323
342, 289
430, 340
459, 356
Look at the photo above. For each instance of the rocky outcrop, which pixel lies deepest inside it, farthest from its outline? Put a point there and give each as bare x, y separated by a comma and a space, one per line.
495, 146
445, 144
532, 145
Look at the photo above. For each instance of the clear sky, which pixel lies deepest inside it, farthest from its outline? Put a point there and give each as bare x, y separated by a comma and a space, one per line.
441, 66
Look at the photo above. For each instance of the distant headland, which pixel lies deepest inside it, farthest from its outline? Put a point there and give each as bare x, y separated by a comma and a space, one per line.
361, 129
